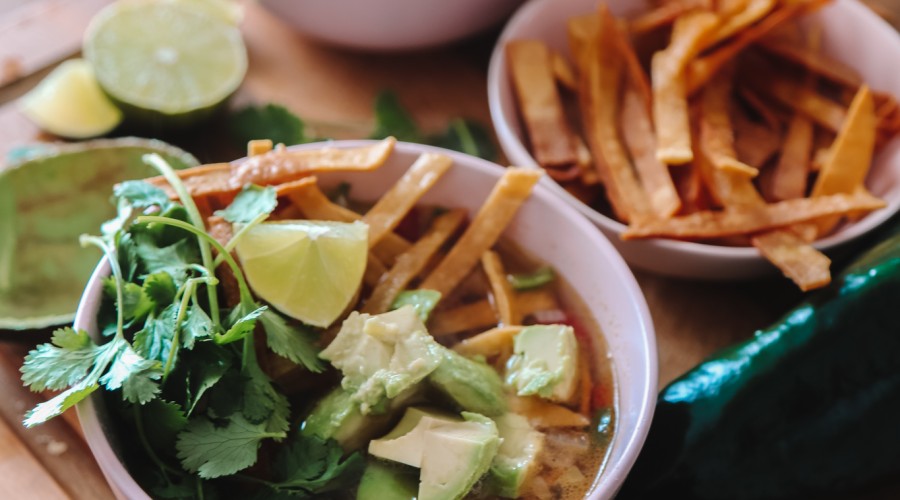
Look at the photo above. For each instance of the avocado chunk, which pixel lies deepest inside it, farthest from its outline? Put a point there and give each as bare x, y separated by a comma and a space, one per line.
405, 442
337, 416
452, 453
544, 362
381, 481
382, 356
516, 459
472, 385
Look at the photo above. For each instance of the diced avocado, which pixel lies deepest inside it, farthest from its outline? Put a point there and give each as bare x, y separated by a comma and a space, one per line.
456, 456
337, 416
405, 442
516, 459
383, 482
473, 385
544, 362
422, 300
452, 453
382, 356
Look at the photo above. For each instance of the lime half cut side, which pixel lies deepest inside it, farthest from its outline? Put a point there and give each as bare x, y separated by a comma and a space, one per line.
69, 103
309, 270
172, 63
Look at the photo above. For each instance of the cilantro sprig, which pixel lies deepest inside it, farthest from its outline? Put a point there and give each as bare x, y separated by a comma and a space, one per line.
180, 366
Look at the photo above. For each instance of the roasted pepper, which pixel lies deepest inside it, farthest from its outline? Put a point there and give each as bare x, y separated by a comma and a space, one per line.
807, 408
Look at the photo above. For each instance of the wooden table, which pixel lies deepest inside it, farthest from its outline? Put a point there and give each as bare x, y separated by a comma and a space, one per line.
333, 91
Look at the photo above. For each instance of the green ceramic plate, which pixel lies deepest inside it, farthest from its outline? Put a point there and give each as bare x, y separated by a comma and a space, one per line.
46, 202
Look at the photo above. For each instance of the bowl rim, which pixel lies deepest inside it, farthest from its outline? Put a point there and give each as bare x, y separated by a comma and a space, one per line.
514, 147
613, 474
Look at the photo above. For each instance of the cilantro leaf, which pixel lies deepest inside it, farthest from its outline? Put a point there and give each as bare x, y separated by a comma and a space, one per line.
175, 259
160, 288
295, 343
310, 466
135, 304
392, 119
154, 341
205, 365
161, 422
249, 204
242, 321
213, 451
60, 364
467, 137
271, 121
198, 325
135, 375
61, 402
141, 194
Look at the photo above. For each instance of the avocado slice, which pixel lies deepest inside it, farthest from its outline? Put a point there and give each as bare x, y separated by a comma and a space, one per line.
382, 356
544, 362
516, 459
384, 482
472, 385
337, 416
452, 453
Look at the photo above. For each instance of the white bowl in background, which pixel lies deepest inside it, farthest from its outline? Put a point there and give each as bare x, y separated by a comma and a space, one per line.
547, 228
852, 34
391, 25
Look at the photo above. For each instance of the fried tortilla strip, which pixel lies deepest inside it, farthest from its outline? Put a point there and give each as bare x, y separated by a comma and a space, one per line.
480, 315
795, 95
665, 14
501, 291
563, 72
637, 131
589, 175
762, 108
393, 205
803, 264
788, 251
636, 74
754, 143
812, 60
702, 70
497, 211
670, 105
600, 90
276, 166
490, 343
752, 11
581, 30
851, 154
689, 185
704, 225
544, 414
307, 196
259, 146
552, 141
792, 170
410, 263
716, 134
375, 269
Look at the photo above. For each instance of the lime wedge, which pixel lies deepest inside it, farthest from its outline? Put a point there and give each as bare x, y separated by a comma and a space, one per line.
69, 103
46, 202
309, 270
166, 64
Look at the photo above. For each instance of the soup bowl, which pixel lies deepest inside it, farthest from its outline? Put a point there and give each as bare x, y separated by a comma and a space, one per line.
549, 230
849, 29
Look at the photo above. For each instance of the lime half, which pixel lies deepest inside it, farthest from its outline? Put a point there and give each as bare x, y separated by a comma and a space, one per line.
309, 270
69, 103
165, 63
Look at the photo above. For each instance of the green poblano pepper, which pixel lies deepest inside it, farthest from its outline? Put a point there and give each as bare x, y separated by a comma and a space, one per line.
806, 408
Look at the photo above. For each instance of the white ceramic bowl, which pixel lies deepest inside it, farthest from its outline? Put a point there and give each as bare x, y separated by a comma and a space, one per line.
390, 25
852, 34
550, 230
